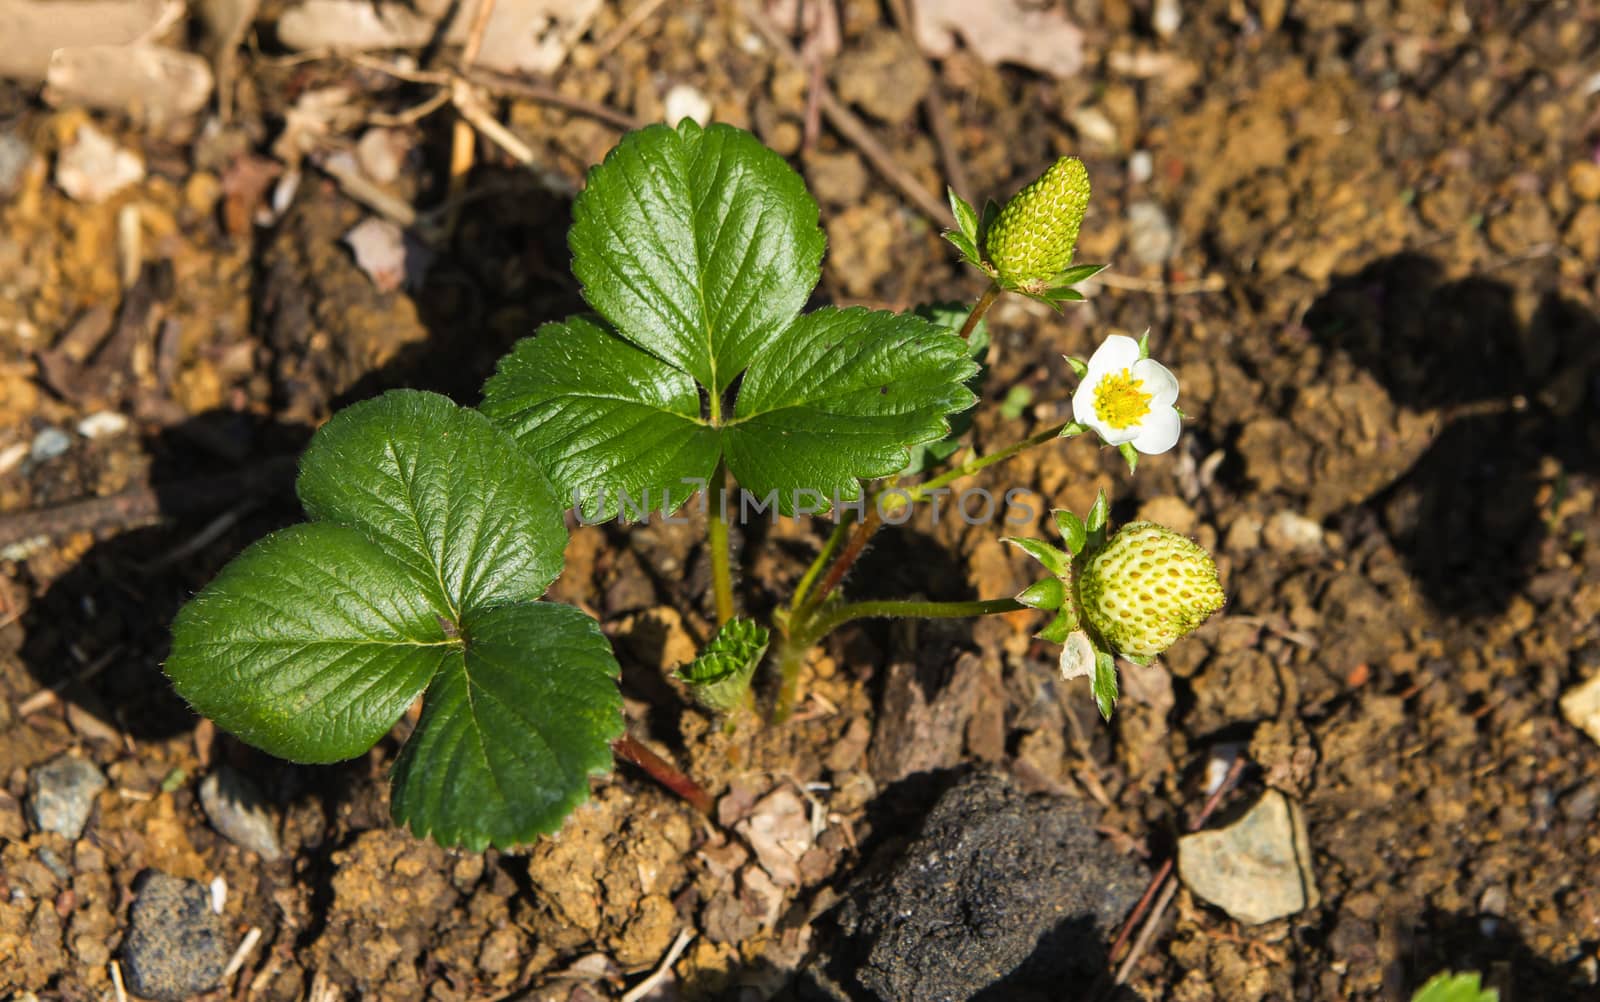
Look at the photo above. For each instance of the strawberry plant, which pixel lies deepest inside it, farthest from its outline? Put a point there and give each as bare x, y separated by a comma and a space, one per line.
434, 529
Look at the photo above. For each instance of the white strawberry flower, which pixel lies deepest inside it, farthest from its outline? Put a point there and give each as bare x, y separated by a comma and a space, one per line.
1128, 399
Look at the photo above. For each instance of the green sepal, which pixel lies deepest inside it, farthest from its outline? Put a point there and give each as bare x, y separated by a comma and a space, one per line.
1061, 294
1072, 430
1130, 455
719, 678
966, 216
1079, 367
1061, 627
1075, 274
1073, 531
964, 244
1047, 594
1054, 561
1144, 344
1105, 683
991, 212
1096, 522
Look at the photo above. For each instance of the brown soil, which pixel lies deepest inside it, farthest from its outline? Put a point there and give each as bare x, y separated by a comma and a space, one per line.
1392, 375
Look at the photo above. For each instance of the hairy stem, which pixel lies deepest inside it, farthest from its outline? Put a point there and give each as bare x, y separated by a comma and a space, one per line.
971, 466
852, 550
717, 540
663, 772
840, 531
984, 302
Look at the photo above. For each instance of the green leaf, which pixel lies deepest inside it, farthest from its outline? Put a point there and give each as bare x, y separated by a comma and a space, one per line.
698, 245
1077, 273
442, 490
603, 418
952, 317
1052, 559
1073, 532
1046, 594
1448, 987
1105, 683
435, 535
512, 727
964, 244
719, 678
966, 216
309, 645
839, 398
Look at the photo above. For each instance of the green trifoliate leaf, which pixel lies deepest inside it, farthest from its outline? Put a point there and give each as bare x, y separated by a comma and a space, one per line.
1052, 559
1073, 531
952, 316
699, 245
1033, 238
1146, 588
519, 717
719, 678
603, 419
1046, 594
1105, 683
966, 215
435, 536
839, 398
1448, 987
431, 483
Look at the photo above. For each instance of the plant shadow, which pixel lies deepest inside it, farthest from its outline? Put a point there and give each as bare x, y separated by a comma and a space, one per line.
1508, 396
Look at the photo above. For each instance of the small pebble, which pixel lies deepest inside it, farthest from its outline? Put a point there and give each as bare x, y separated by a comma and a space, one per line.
12, 456
176, 946
685, 101
1288, 531
1256, 869
93, 167
1141, 167
1151, 238
239, 813
61, 795
102, 423
48, 444
15, 155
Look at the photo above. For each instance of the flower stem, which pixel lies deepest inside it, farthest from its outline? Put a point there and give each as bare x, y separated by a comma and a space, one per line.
840, 530
663, 772
977, 463
717, 540
984, 302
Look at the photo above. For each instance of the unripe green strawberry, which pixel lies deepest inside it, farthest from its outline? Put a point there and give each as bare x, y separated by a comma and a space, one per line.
1032, 239
1146, 588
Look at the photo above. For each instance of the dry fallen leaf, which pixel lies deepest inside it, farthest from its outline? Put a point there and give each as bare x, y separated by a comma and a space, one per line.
1001, 31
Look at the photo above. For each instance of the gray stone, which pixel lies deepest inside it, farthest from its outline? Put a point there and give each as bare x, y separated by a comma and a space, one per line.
1151, 238
237, 810
1002, 895
48, 444
1256, 869
61, 795
15, 155
175, 947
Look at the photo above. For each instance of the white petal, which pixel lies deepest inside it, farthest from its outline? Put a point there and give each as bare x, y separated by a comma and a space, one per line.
1158, 432
1077, 656
1158, 381
1118, 352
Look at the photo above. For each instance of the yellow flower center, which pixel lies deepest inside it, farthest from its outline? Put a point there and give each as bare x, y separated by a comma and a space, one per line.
1119, 400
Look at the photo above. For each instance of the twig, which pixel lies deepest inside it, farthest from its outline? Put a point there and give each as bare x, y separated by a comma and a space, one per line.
462, 138
247, 944
627, 26
147, 504
199, 541
1160, 287
116, 982
49, 697
1161, 877
933, 109
853, 129
355, 184
663, 772
471, 108
648, 985
545, 94
413, 114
